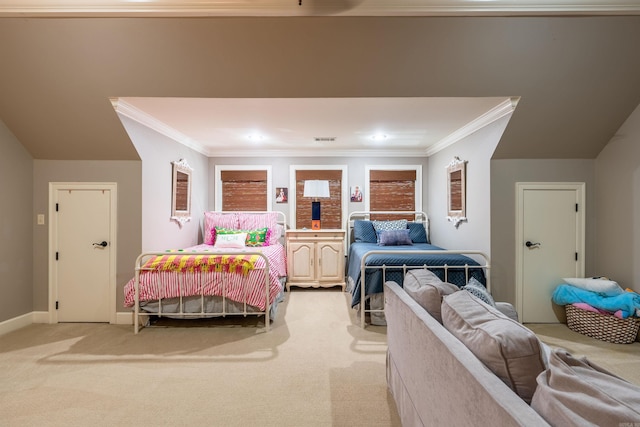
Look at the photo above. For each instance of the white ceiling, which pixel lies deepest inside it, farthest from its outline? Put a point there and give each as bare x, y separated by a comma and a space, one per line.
315, 126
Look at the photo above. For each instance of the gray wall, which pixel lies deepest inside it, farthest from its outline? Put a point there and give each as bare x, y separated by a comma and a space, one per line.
504, 175
618, 206
477, 150
16, 230
127, 175
159, 232
612, 183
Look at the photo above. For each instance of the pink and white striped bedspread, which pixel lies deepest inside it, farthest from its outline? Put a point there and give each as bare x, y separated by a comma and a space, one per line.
159, 284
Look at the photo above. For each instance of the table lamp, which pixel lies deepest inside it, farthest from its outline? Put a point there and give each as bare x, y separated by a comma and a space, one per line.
317, 189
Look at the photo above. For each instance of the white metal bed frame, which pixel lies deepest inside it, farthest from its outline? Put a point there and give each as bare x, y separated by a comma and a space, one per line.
143, 258
483, 262
485, 265
418, 216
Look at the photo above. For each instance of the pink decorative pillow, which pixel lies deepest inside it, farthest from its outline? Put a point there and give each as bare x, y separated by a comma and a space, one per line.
276, 233
217, 219
252, 221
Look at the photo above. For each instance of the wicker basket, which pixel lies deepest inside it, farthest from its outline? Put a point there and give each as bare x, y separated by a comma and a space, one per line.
603, 327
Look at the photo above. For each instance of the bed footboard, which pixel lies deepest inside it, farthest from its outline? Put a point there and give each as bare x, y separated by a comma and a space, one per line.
240, 280
481, 261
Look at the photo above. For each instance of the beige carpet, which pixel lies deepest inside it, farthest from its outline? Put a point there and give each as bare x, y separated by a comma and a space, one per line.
316, 367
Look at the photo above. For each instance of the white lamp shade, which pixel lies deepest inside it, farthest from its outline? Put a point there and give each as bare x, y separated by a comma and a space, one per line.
316, 188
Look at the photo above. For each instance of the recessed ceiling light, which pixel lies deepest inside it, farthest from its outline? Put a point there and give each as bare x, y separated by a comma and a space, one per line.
378, 137
255, 137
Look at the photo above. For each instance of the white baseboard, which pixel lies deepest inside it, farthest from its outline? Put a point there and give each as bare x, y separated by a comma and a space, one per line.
40, 317
10, 325
16, 323
124, 318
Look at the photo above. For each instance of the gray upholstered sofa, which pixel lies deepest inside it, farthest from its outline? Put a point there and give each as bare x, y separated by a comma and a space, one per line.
436, 380
484, 368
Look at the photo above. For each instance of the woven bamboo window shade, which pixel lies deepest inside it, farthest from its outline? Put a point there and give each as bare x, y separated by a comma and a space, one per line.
331, 207
244, 190
392, 191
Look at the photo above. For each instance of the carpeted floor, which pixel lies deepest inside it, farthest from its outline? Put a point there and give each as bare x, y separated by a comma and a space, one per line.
316, 367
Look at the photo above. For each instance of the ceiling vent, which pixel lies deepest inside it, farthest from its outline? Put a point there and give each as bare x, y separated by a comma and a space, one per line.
325, 138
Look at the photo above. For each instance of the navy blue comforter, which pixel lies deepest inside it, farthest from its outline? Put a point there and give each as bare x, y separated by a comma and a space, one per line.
374, 278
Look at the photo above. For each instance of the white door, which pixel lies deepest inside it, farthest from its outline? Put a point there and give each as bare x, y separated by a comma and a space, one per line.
550, 246
83, 253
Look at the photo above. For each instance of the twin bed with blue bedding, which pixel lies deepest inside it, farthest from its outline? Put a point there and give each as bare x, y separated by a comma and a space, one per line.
383, 250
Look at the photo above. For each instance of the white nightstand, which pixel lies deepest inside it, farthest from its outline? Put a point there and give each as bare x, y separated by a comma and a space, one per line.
315, 258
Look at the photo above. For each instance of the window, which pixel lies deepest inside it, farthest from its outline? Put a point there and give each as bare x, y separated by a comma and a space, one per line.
242, 189
394, 190
331, 207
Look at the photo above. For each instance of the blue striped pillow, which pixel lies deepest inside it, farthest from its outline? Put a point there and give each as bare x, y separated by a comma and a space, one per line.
417, 232
364, 232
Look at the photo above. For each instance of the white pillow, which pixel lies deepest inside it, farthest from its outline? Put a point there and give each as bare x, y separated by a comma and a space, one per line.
599, 285
231, 241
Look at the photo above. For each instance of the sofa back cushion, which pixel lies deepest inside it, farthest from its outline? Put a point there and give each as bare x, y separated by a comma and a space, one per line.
427, 290
507, 348
577, 392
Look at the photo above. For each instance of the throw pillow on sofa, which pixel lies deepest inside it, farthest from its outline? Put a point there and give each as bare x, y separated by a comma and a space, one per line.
427, 290
507, 309
577, 392
478, 290
508, 349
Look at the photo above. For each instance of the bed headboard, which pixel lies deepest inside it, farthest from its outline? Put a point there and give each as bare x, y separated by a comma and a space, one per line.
224, 218
414, 216
282, 218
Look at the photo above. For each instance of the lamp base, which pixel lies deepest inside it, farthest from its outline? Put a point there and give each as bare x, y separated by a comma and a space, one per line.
315, 215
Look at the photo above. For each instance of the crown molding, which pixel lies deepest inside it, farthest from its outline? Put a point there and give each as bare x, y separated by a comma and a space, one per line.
127, 110
131, 112
503, 109
391, 152
175, 8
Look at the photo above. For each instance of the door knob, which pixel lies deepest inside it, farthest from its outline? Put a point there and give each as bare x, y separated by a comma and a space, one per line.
103, 244
531, 245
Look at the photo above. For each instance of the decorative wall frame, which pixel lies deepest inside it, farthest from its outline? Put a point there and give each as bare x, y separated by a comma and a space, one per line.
457, 191
181, 195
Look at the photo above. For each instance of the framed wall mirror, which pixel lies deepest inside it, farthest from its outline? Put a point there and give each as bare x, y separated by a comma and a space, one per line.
457, 191
181, 196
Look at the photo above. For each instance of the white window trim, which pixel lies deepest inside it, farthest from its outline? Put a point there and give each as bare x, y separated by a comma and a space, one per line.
218, 180
418, 186
292, 188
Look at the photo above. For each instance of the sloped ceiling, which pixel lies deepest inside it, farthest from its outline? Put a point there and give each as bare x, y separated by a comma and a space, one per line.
578, 78
313, 7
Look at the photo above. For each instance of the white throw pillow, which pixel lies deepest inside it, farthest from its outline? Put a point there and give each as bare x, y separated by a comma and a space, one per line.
231, 241
599, 285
